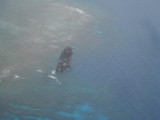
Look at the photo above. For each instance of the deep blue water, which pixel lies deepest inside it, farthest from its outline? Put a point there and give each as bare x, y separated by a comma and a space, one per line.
115, 68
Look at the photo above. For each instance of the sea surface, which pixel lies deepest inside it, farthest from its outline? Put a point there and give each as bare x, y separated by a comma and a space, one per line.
115, 72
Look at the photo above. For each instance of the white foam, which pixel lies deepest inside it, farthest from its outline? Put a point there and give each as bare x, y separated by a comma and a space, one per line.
5, 72
53, 72
50, 76
39, 70
76, 10
16, 77
55, 78
80, 11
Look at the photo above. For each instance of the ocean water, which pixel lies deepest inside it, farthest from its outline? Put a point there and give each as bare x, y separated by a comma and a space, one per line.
115, 67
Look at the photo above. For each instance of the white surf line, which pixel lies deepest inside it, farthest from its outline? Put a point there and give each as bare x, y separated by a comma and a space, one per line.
55, 78
53, 72
81, 12
50, 76
74, 9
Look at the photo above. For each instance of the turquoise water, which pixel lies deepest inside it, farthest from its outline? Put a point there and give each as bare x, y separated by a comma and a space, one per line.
115, 66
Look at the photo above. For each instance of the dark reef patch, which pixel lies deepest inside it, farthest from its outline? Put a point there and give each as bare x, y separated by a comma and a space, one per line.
65, 59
